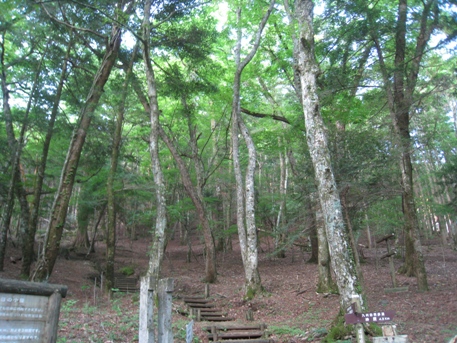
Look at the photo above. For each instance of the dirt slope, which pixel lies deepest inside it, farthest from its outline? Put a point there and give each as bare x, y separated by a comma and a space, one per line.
290, 306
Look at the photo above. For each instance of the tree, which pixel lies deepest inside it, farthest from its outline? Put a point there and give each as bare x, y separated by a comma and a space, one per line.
342, 258
157, 250
28, 252
400, 100
245, 190
110, 183
44, 266
8, 60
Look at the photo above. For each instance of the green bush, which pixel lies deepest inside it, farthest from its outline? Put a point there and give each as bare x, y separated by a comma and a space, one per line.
127, 271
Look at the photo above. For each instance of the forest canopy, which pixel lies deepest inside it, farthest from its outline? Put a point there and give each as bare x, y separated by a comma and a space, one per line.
153, 119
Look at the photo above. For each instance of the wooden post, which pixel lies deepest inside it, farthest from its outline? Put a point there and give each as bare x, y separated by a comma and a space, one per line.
146, 329
206, 290
359, 331
52, 320
165, 333
391, 265
390, 254
214, 332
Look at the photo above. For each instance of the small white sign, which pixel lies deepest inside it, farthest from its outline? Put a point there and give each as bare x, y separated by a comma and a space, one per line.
190, 332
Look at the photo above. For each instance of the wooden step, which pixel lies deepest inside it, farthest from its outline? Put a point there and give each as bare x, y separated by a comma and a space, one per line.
234, 327
216, 319
202, 309
126, 284
248, 333
209, 309
200, 305
237, 334
213, 313
195, 300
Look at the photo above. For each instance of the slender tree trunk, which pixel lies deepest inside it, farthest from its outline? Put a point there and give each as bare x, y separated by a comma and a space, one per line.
280, 227
28, 251
343, 197
312, 225
58, 216
400, 100
110, 184
342, 259
158, 245
84, 214
325, 283
199, 202
16, 186
247, 230
191, 190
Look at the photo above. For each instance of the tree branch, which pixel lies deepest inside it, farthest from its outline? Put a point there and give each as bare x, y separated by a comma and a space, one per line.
263, 115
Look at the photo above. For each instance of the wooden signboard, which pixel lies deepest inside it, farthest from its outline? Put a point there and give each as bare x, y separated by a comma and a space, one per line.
370, 317
29, 311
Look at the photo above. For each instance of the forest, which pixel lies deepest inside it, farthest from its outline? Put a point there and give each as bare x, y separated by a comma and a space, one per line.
319, 125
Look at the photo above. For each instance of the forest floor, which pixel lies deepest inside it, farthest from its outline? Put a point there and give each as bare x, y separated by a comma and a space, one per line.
290, 307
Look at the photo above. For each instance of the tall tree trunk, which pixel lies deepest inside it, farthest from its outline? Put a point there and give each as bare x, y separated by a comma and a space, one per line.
197, 199
342, 260
83, 217
28, 250
45, 265
400, 100
199, 202
111, 206
192, 192
325, 282
343, 197
280, 226
247, 231
312, 226
16, 185
158, 245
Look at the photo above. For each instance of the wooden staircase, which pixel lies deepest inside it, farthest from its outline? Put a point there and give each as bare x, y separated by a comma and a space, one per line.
237, 334
202, 309
125, 284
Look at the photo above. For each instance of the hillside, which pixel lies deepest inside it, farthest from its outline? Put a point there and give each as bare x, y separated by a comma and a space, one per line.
290, 307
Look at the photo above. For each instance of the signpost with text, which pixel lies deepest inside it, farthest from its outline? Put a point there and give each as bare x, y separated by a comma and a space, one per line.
389, 335
29, 311
370, 317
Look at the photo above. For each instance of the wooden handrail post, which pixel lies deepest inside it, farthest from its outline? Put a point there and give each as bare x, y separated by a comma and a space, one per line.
165, 333
146, 329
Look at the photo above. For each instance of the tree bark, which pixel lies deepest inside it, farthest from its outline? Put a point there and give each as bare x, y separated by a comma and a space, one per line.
197, 198
45, 265
400, 100
16, 186
247, 231
342, 260
192, 191
28, 251
280, 227
111, 205
325, 281
158, 245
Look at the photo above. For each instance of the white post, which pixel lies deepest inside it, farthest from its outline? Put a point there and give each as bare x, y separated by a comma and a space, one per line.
165, 333
359, 331
146, 333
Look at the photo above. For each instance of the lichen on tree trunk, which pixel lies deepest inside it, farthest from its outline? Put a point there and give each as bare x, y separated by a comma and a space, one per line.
342, 260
